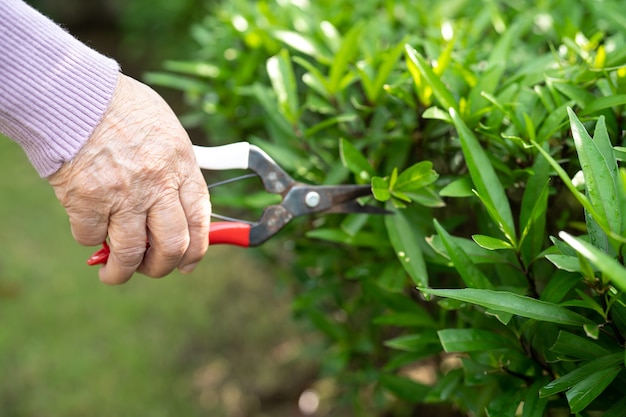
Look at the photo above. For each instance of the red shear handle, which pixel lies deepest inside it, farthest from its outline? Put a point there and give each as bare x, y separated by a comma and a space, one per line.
229, 233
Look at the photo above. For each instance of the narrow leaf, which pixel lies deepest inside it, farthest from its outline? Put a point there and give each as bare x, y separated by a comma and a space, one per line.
600, 174
470, 340
347, 51
513, 303
471, 275
602, 103
567, 381
491, 243
484, 177
283, 81
582, 199
605, 263
587, 390
439, 89
578, 347
405, 237
477, 254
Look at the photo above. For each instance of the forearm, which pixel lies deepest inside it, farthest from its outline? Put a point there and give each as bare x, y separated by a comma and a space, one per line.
54, 90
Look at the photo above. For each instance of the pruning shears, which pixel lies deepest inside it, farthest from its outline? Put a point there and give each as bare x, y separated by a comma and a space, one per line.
298, 198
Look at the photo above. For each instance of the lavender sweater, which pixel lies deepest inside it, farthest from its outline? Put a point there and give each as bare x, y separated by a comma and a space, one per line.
53, 89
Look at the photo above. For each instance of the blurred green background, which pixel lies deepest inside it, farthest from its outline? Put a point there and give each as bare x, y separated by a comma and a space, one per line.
219, 342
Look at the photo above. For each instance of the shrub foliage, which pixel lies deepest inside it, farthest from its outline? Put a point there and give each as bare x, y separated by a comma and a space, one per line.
492, 130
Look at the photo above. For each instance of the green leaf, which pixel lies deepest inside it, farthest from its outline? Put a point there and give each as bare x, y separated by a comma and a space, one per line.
388, 63
437, 113
283, 81
418, 67
304, 44
346, 53
470, 340
354, 160
380, 189
314, 77
567, 381
565, 262
484, 178
477, 254
415, 177
405, 236
602, 103
469, 272
413, 342
575, 346
461, 187
600, 174
605, 263
491, 243
587, 390
513, 303
582, 199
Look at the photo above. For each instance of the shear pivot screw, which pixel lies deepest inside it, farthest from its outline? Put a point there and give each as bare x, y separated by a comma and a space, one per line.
312, 199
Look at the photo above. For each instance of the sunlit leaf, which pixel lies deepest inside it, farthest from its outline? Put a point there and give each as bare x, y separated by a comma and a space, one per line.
491, 243
303, 44
283, 81
605, 263
420, 68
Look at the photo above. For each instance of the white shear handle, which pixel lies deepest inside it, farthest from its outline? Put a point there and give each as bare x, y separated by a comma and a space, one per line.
231, 156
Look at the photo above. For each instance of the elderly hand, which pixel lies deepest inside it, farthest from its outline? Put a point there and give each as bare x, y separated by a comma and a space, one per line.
136, 180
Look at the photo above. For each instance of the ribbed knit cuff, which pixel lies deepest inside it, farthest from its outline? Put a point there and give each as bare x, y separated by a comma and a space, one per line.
54, 90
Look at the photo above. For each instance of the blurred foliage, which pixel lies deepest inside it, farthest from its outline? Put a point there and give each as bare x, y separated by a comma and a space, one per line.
496, 287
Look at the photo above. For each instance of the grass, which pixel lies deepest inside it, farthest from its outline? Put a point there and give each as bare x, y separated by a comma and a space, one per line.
216, 341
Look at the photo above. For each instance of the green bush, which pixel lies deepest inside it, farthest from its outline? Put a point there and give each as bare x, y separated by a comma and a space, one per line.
496, 286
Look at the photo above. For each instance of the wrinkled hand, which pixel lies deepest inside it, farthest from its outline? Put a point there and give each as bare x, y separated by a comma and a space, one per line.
136, 180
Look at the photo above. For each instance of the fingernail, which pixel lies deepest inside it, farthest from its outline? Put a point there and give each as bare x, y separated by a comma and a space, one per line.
188, 268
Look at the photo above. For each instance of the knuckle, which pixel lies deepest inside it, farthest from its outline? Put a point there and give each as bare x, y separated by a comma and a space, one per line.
129, 256
173, 248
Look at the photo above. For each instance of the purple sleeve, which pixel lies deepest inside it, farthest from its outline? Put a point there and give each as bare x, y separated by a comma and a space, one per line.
53, 89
